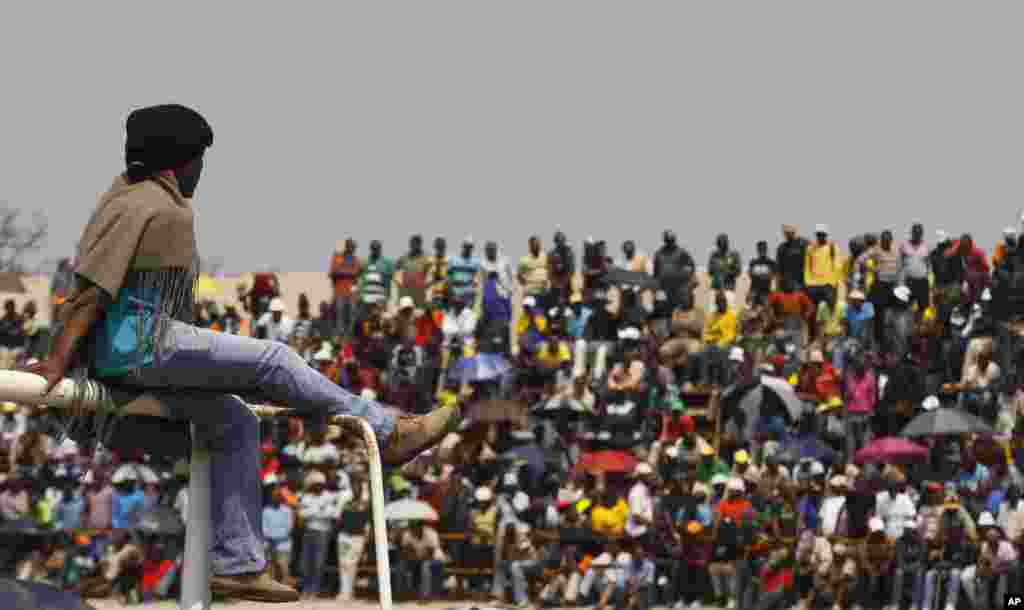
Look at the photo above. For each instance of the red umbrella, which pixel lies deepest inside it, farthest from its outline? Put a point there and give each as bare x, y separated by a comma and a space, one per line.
600, 462
891, 450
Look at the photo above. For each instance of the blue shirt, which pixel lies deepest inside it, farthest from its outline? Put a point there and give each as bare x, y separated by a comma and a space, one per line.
278, 522
640, 571
857, 320
126, 509
69, 512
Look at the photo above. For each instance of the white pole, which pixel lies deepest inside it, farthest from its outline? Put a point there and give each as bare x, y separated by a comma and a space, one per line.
195, 577
27, 388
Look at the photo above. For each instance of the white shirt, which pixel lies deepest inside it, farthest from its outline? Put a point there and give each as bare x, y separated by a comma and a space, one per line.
640, 503
277, 331
831, 507
320, 454
181, 503
895, 511
319, 511
503, 269
461, 325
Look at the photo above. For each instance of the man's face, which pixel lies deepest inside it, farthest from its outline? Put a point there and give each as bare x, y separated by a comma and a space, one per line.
491, 251
188, 177
560, 239
375, 249
886, 241
628, 249
723, 243
350, 246
762, 249
440, 246
822, 237
669, 239
788, 234
916, 233
467, 250
534, 246
721, 303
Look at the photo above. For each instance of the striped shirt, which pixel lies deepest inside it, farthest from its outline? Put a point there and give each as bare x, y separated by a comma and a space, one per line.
375, 281
462, 274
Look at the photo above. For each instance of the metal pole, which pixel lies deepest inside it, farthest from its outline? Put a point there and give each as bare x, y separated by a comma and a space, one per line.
195, 577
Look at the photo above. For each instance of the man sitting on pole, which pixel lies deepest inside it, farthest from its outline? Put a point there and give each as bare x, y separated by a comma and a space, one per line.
128, 322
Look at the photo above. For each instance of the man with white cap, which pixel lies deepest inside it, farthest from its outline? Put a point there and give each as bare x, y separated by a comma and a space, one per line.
821, 271
276, 324
990, 573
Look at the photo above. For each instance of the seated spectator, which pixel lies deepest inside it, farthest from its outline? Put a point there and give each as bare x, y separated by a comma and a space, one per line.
986, 582
127, 501
604, 578
792, 309
608, 517
421, 559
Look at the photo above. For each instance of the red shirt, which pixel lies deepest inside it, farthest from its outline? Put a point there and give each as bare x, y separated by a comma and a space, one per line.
735, 509
778, 580
345, 271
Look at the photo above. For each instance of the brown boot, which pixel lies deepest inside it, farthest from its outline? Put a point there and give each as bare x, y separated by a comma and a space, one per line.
414, 435
260, 587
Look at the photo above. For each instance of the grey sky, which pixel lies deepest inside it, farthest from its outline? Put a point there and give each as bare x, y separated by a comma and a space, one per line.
500, 119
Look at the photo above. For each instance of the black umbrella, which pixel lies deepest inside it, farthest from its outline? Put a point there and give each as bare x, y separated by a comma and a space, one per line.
947, 422
160, 520
25, 595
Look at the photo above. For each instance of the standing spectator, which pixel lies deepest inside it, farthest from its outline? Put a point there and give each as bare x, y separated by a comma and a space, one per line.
412, 270
464, 276
915, 263
376, 276
352, 531
861, 392
318, 511
61, 286
561, 269
100, 502
762, 272
533, 273
632, 260
278, 524
887, 264
495, 267
791, 257
344, 271
127, 500
821, 270
674, 270
724, 266
257, 290
276, 325
12, 338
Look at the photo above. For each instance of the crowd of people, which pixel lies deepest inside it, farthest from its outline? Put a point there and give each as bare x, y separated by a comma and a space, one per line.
663, 462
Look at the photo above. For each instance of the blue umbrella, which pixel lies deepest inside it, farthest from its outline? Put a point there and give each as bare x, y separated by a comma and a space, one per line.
481, 367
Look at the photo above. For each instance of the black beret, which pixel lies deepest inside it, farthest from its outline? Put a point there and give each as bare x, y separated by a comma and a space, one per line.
165, 137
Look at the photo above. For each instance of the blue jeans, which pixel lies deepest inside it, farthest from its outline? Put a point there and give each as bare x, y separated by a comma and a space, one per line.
193, 358
931, 585
314, 554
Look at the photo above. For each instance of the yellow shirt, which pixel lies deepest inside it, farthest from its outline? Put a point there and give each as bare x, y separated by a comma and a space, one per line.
553, 356
534, 270
524, 322
610, 521
720, 328
483, 525
822, 264
832, 318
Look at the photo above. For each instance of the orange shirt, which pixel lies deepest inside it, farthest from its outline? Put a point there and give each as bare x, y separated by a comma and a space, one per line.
734, 509
792, 304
